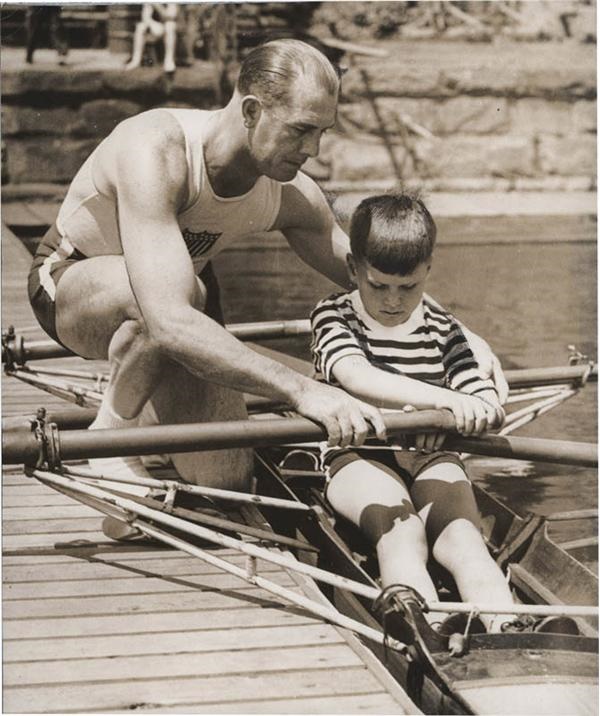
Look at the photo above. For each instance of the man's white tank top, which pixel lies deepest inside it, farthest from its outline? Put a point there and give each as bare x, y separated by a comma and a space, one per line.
208, 222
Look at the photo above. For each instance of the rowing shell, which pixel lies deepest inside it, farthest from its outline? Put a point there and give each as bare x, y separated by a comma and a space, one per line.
526, 673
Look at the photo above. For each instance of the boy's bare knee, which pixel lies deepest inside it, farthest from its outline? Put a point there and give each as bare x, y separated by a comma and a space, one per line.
456, 543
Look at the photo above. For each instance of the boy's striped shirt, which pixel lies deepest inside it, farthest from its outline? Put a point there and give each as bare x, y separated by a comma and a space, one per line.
430, 346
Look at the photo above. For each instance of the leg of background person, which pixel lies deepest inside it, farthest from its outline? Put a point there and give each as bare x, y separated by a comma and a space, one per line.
139, 37
33, 22
58, 34
170, 39
460, 547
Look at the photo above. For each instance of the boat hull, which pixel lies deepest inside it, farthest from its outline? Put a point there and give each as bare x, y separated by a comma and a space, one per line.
529, 673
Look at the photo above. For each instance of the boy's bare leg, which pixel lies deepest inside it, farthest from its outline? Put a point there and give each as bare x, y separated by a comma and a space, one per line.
375, 501
461, 550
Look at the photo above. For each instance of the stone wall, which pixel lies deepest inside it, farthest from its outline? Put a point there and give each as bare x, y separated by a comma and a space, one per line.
448, 115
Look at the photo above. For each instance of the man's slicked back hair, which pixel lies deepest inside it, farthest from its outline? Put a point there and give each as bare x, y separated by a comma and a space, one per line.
394, 233
269, 70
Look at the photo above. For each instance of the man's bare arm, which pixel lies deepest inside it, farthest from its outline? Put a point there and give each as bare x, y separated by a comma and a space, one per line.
309, 226
150, 191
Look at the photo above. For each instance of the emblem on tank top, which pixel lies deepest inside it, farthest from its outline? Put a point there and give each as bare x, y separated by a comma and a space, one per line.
200, 242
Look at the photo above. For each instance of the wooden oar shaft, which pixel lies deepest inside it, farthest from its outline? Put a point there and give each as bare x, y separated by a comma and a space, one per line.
560, 452
21, 447
25, 350
80, 418
528, 377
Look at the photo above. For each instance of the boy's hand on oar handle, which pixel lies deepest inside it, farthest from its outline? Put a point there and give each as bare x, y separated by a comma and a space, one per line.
491, 398
472, 415
426, 442
346, 419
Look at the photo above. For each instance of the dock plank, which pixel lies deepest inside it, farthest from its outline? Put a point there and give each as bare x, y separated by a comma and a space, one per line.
35, 650
163, 666
352, 704
228, 688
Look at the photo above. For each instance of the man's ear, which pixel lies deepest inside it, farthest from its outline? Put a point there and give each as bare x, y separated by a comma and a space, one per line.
251, 109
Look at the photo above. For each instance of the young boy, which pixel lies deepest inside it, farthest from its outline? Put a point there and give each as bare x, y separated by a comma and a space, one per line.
388, 344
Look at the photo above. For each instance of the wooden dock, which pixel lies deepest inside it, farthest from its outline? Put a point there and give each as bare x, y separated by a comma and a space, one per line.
91, 625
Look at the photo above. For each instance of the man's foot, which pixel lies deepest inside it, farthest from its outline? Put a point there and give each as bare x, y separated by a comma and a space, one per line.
118, 467
121, 531
558, 625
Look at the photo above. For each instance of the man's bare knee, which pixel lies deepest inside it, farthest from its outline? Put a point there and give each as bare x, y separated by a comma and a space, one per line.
132, 333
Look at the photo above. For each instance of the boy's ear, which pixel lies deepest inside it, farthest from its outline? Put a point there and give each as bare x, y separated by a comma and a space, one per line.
351, 267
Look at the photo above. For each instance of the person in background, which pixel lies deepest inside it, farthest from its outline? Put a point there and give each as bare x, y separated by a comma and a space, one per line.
158, 20
36, 19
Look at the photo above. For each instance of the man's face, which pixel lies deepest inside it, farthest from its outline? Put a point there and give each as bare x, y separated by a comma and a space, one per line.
388, 298
286, 135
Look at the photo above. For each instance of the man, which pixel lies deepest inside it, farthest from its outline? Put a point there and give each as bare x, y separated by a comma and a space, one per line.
125, 273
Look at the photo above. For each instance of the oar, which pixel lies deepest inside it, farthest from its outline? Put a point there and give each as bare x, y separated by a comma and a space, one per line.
21, 446
80, 417
23, 350
528, 377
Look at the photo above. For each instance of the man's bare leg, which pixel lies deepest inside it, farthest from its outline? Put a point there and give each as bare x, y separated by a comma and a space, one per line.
97, 315
183, 398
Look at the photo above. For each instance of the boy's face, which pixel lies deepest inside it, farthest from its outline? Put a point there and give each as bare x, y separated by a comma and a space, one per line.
388, 298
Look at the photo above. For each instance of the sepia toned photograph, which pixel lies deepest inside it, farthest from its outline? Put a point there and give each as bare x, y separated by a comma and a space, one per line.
299, 345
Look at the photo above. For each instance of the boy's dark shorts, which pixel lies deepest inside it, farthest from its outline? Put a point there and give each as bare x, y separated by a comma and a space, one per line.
55, 255
449, 500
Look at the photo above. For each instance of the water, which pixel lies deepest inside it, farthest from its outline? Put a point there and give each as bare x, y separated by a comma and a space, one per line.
530, 301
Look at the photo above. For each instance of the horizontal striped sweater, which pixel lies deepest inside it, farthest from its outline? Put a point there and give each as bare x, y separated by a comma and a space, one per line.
429, 346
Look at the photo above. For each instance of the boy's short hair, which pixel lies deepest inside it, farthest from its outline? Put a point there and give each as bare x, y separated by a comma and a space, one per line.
392, 232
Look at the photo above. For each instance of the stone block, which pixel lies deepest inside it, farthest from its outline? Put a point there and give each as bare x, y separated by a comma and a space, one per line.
465, 115
471, 115
46, 160
572, 155
99, 117
31, 120
355, 160
469, 156
51, 82
584, 116
531, 117
393, 77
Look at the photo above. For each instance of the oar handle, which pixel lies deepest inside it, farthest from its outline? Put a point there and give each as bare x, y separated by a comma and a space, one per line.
22, 446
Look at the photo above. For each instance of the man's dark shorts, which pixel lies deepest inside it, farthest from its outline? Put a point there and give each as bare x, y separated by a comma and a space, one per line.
55, 255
